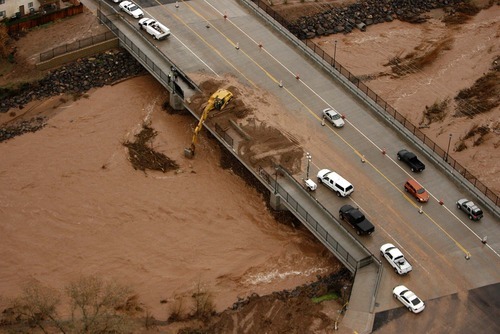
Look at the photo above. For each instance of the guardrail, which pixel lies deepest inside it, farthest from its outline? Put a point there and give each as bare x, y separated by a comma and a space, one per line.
77, 45
417, 133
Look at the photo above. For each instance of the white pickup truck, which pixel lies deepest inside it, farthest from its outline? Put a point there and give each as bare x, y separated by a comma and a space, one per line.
154, 28
397, 260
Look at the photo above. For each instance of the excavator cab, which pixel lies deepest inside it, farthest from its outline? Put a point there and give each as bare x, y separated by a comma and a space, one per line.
218, 103
217, 100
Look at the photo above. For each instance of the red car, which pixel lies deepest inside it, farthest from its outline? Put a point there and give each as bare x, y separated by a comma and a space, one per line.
416, 190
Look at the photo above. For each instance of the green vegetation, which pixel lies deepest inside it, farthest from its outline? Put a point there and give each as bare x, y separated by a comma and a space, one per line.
328, 296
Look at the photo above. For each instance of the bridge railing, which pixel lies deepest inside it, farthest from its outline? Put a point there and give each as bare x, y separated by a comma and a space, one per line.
168, 79
311, 222
417, 133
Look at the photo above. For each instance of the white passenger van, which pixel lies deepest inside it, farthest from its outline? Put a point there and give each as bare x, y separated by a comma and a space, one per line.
335, 182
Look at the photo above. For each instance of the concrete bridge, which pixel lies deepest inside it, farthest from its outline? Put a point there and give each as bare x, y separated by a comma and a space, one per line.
238, 28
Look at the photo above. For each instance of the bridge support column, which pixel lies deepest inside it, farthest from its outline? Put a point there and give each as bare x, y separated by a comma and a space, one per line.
176, 102
276, 204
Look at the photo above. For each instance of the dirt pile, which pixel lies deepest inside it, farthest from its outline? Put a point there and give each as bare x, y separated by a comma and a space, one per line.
243, 123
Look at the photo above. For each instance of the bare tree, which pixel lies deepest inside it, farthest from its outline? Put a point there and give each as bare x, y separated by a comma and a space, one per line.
38, 306
95, 305
203, 306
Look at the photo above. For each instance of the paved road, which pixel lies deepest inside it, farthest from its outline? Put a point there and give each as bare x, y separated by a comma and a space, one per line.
435, 241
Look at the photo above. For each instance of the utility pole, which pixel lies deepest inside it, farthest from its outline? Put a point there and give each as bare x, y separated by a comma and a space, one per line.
448, 150
309, 159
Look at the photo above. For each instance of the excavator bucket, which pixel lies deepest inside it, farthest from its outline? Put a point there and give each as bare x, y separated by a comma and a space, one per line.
189, 152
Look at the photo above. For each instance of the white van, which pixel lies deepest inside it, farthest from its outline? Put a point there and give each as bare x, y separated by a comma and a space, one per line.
335, 182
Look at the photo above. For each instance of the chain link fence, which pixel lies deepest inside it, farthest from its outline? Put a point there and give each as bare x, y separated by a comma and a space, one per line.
80, 44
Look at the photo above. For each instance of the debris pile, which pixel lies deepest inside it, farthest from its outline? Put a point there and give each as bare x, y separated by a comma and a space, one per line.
144, 157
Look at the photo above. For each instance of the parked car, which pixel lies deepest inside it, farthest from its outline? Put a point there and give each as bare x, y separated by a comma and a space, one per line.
335, 182
474, 212
395, 258
356, 219
334, 117
154, 28
131, 9
411, 160
408, 298
416, 190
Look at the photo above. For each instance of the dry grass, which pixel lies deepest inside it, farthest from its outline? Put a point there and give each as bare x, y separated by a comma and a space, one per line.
177, 311
204, 306
460, 146
461, 13
416, 61
476, 130
477, 134
436, 112
483, 96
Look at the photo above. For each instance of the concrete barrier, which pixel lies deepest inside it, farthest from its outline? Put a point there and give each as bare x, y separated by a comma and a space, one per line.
74, 55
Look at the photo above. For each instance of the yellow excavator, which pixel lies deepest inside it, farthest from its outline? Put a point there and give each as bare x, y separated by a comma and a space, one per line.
217, 100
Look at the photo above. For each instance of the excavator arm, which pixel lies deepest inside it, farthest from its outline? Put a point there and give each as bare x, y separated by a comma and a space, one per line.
217, 100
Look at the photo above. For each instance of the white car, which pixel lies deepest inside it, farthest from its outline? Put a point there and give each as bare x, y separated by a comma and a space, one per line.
395, 258
154, 28
408, 298
334, 117
132, 9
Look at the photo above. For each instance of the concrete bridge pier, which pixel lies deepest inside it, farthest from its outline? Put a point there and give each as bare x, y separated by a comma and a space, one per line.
276, 202
176, 102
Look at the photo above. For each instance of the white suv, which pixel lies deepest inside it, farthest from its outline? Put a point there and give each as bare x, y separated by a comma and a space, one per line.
335, 182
